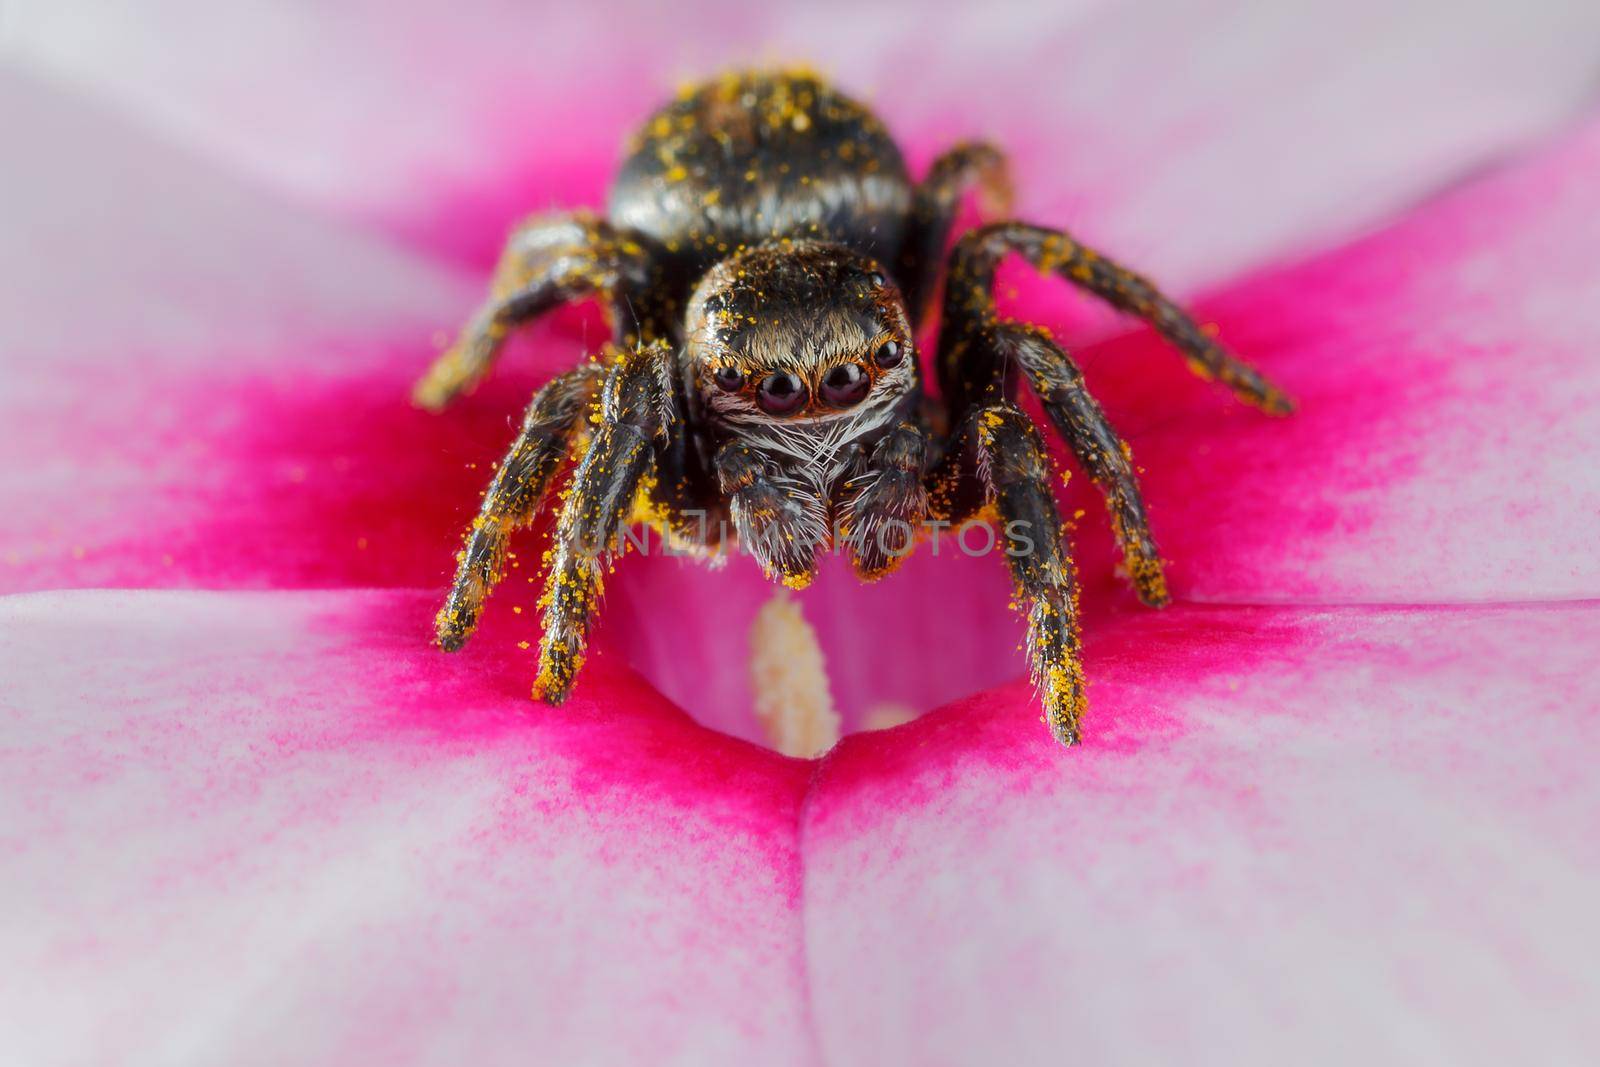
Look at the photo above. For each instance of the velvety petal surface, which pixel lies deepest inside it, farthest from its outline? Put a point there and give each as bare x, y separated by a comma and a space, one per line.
130, 252
274, 828
1194, 137
1447, 372
1302, 835
136, 361
252, 828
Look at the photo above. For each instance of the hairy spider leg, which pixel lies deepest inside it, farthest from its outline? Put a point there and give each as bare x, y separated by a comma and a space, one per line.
637, 412
513, 497
934, 203
998, 446
1079, 420
887, 503
970, 284
989, 350
547, 262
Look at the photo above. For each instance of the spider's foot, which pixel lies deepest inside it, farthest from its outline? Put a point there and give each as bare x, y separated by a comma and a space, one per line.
457, 619
457, 370
1244, 381
1276, 402
572, 593
1063, 712
443, 382
451, 629
1149, 580
559, 665
992, 176
1057, 667
1266, 396
560, 660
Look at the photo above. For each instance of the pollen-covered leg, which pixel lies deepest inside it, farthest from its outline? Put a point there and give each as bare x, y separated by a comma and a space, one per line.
635, 413
547, 262
969, 301
779, 521
1015, 468
887, 503
937, 198
513, 498
1083, 425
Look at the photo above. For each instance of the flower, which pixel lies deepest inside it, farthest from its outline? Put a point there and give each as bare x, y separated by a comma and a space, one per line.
1335, 803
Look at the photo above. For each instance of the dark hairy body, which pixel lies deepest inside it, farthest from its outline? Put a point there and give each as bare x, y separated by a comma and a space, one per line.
765, 258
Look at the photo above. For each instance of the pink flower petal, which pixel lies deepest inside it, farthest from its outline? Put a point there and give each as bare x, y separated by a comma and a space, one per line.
1449, 416
133, 255
1347, 835
1196, 138
272, 828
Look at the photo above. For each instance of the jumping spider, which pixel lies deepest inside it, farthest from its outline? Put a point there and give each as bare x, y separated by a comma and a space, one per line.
765, 258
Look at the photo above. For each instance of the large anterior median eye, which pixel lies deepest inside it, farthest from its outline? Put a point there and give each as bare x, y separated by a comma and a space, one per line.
845, 385
780, 393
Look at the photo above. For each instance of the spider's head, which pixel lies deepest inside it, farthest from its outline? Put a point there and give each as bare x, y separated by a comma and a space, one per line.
799, 333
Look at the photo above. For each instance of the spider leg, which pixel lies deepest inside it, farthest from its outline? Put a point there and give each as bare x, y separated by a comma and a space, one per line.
985, 359
636, 413
1078, 418
969, 302
778, 519
933, 211
547, 262
513, 497
886, 503
1013, 470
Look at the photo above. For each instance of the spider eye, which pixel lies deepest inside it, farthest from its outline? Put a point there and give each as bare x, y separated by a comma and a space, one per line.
845, 385
877, 278
780, 393
889, 354
729, 379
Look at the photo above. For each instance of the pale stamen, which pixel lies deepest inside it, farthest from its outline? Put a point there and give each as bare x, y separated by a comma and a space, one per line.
789, 679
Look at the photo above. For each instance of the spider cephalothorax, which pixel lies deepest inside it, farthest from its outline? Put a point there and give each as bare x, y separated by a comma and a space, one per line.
801, 362
765, 258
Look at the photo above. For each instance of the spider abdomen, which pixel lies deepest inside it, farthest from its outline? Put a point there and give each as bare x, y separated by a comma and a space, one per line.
752, 157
